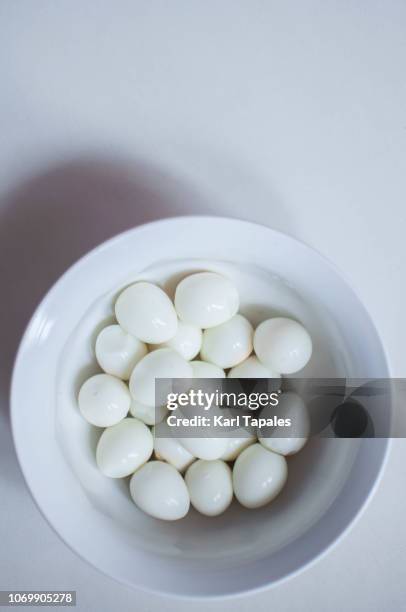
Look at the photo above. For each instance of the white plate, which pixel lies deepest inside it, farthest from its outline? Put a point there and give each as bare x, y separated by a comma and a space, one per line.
329, 482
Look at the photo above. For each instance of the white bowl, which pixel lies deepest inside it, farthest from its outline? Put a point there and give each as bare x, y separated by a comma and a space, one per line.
242, 550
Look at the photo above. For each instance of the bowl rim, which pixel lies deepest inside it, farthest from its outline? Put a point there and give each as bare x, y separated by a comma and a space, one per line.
107, 244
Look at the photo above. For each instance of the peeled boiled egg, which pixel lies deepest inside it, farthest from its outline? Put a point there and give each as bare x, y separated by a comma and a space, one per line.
162, 363
203, 369
283, 345
210, 486
117, 352
169, 448
122, 448
237, 444
145, 311
252, 368
258, 476
187, 341
150, 415
104, 400
204, 372
158, 489
282, 439
228, 344
205, 447
206, 299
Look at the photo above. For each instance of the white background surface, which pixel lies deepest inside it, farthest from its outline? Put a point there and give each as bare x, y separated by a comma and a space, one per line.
292, 114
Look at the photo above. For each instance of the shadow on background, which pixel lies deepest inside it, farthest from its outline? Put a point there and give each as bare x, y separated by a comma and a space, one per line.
51, 220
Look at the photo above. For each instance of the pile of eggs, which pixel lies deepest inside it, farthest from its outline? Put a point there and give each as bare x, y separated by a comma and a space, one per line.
155, 338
